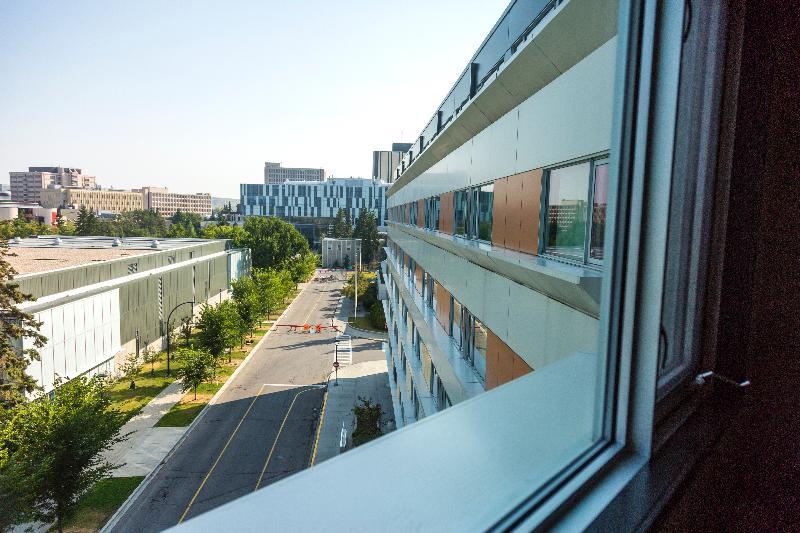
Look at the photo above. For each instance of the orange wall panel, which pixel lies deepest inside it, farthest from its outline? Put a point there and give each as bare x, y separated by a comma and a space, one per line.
419, 279
446, 213
514, 212
421, 213
531, 204
502, 364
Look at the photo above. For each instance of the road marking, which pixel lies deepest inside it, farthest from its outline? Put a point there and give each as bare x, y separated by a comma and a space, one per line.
275, 442
313, 308
292, 385
319, 428
188, 507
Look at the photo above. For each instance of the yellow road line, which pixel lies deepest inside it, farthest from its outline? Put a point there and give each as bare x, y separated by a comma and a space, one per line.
319, 428
275, 442
305, 320
191, 502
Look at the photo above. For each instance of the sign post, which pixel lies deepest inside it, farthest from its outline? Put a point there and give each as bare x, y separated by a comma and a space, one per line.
336, 364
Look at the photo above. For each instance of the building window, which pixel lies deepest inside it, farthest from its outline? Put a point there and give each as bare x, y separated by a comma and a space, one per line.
483, 211
432, 213
570, 230
460, 210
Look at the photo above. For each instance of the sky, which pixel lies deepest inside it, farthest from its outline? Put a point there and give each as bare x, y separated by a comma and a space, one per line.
196, 96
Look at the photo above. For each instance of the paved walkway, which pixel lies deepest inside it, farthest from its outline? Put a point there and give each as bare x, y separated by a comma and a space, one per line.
146, 446
366, 377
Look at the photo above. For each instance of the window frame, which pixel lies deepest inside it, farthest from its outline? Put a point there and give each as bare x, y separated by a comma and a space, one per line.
586, 259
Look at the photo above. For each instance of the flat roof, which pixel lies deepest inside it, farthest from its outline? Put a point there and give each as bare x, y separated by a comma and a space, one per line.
45, 253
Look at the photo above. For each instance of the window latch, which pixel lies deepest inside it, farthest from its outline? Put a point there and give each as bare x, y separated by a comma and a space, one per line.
700, 379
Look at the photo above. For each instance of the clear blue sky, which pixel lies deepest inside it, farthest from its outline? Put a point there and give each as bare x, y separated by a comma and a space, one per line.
196, 95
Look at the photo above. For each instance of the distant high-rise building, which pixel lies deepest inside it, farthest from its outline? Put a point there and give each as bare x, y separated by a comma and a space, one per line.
313, 200
384, 162
27, 186
274, 173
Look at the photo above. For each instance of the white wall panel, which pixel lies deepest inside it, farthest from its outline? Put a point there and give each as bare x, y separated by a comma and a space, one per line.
81, 335
568, 119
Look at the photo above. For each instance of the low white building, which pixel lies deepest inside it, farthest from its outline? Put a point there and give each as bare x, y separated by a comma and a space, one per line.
340, 253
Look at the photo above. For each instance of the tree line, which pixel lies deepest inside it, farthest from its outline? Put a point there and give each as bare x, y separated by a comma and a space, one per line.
365, 228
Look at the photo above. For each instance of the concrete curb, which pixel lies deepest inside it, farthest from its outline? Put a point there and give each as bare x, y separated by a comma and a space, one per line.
366, 334
112, 522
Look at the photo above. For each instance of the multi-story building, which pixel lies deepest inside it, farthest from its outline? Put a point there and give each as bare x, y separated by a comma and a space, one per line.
27, 186
662, 338
495, 238
101, 298
168, 203
97, 200
318, 200
385, 162
274, 173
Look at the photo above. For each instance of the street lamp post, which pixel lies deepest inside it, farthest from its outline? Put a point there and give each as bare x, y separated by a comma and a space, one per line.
358, 267
169, 336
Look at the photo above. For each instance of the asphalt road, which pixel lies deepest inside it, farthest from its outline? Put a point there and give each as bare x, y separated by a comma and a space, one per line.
261, 430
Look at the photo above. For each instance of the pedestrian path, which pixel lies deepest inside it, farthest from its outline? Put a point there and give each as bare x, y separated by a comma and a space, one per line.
146, 446
367, 377
344, 350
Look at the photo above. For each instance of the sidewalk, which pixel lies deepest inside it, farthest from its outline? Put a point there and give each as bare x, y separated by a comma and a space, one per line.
367, 377
146, 446
346, 311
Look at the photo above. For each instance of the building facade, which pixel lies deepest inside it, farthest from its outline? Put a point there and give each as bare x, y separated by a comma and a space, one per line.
340, 253
97, 200
495, 237
98, 297
315, 199
168, 203
27, 186
274, 173
385, 162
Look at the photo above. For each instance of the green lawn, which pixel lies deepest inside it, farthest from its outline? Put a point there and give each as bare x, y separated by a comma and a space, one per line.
363, 322
131, 401
97, 506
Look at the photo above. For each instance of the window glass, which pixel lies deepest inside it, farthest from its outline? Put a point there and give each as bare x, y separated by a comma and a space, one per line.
567, 198
456, 322
484, 211
460, 208
479, 343
599, 202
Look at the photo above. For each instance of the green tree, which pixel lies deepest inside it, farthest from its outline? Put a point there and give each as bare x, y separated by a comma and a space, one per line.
236, 234
273, 243
86, 224
65, 227
131, 368
15, 324
301, 268
235, 328
367, 231
342, 225
196, 370
53, 446
269, 290
150, 357
142, 223
212, 333
186, 330
247, 305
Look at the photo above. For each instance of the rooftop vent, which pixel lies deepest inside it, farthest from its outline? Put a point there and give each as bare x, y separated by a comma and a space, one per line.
57, 241
117, 242
154, 244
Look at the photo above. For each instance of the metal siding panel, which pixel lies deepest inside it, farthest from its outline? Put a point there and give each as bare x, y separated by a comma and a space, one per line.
499, 207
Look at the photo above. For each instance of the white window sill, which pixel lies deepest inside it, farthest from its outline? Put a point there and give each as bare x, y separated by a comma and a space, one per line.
458, 470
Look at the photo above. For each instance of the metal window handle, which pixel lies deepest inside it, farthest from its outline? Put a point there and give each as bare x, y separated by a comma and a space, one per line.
700, 379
